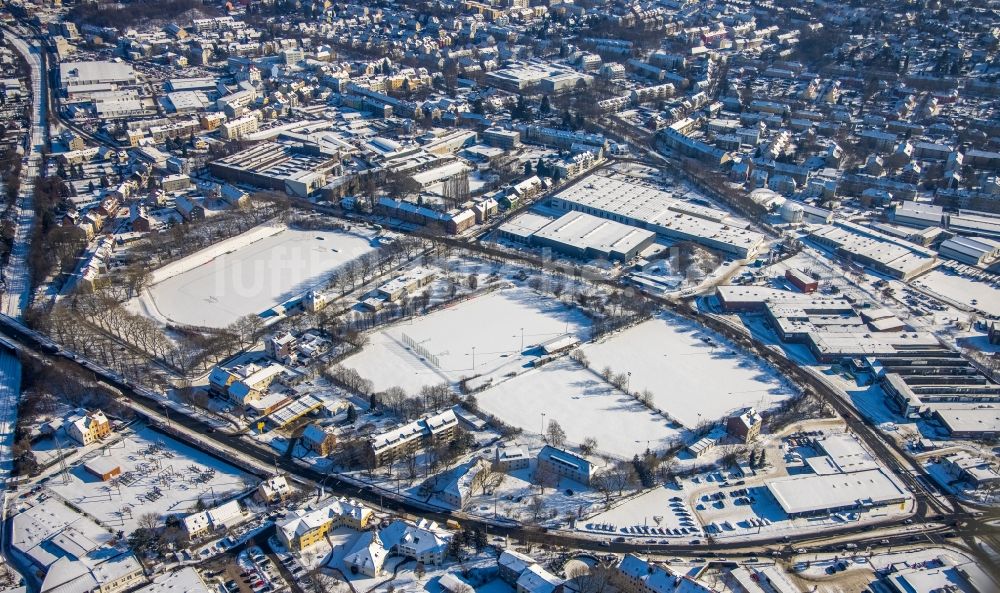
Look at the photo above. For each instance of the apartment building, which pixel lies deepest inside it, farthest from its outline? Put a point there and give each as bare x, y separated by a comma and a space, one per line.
413, 436
301, 528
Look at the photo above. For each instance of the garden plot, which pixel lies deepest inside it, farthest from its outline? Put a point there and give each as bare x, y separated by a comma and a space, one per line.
693, 374
248, 274
482, 336
158, 475
659, 513
583, 404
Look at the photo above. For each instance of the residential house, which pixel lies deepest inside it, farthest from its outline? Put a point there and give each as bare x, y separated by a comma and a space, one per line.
394, 443
318, 440
274, 489
509, 459
215, 519
86, 427
745, 425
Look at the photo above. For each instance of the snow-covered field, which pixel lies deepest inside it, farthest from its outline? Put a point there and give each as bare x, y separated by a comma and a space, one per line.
583, 404
159, 475
487, 328
962, 290
693, 374
247, 274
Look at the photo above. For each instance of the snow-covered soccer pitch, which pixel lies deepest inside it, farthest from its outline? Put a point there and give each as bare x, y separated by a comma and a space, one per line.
247, 274
495, 331
693, 374
583, 404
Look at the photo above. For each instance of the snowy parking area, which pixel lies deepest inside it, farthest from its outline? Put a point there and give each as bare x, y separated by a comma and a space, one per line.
583, 404
693, 374
967, 291
659, 513
159, 475
485, 329
248, 274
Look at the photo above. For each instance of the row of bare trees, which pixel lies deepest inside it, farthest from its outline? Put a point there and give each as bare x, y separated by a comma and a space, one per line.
431, 399
375, 263
179, 240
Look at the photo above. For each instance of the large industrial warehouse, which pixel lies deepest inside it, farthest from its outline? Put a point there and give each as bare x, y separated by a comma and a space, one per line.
819, 494
647, 207
579, 235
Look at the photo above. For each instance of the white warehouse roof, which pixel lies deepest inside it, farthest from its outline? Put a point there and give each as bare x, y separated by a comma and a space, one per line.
818, 493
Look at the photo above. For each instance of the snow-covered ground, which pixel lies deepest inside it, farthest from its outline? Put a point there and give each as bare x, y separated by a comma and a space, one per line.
693, 374
159, 475
659, 513
247, 274
487, 328
513, 496
962, 290
583, 404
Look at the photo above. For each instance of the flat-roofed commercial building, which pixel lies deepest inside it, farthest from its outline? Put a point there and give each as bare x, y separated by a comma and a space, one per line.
878, 251
79, 74
973, 251
970, 421
834, 346
296, 168
582, 235
656, 210
819, 494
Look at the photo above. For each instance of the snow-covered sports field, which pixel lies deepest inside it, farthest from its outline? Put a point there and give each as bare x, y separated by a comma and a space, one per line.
487, 328
583, 404
693, 374
248, 274
158, 475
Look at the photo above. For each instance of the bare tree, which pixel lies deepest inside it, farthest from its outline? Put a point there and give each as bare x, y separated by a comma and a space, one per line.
554, 434
536, 507
544, 478
618, 478
487, 480
646, 398
587, 579
148, 521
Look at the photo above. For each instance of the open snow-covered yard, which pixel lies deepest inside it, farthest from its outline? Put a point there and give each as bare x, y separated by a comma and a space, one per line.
693, 374
494, 331
583, 404
248, 274
159, 475
962, 289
